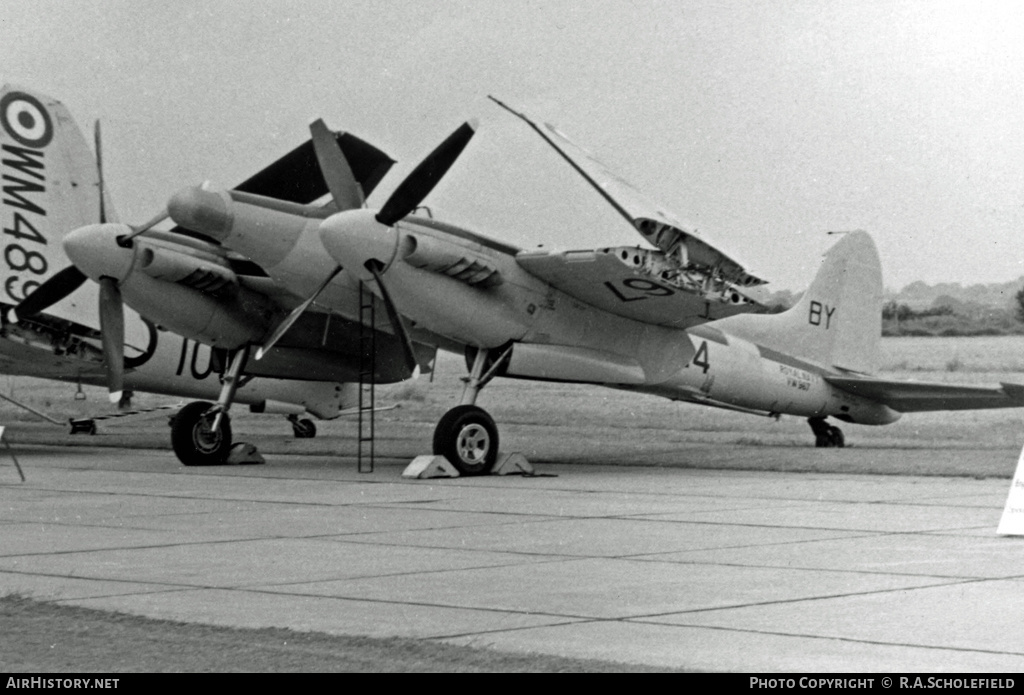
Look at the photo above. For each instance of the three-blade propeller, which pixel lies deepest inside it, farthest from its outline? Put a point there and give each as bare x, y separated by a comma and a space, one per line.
402, 201
347, 194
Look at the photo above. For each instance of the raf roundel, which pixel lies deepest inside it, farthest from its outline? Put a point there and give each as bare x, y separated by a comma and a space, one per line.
26, 120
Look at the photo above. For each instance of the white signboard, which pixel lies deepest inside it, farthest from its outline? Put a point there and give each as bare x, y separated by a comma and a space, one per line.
1012, 523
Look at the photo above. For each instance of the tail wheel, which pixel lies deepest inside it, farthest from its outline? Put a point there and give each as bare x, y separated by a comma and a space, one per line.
831, 437
304, 428
467, 436
193, 438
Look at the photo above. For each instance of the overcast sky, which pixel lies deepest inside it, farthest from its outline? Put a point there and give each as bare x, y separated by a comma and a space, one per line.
763, 123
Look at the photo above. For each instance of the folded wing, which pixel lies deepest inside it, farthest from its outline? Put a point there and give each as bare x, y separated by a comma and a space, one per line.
681, 243
634, 283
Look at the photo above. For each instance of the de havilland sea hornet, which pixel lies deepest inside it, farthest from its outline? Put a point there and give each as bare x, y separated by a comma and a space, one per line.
216, 302
673, 319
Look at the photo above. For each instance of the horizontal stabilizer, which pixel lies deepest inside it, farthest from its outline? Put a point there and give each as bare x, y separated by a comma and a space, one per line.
919, 396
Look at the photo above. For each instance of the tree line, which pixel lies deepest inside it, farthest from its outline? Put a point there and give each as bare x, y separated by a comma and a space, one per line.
946, 316
949, 317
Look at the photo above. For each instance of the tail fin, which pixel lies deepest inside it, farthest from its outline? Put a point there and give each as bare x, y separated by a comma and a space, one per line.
838, 320
50, 186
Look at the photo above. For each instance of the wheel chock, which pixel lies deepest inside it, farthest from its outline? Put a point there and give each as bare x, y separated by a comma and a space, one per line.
430, 467
512, 464
244, 452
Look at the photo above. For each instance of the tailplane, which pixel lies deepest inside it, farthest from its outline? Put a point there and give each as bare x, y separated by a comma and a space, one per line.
838, 320
50, 186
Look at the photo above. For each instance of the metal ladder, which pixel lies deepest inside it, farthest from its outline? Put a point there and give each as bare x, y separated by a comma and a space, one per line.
367, 378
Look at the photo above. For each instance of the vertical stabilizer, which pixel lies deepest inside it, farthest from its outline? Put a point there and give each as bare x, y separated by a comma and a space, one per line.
50, 186
838, 320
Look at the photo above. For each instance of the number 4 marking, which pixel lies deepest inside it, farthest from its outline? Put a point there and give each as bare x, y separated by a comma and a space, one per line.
701, 358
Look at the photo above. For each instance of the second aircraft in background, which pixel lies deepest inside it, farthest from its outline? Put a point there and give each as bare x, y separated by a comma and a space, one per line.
178, 281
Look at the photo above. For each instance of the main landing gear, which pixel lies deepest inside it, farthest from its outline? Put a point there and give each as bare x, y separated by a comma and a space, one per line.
826, 435
466, 435
201, 435
201, 432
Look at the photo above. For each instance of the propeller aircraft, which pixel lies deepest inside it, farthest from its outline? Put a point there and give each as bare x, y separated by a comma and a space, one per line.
672, 319
213, 300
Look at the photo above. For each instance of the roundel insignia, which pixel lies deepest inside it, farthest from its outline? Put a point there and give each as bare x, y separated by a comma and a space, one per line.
143, 357
26, 119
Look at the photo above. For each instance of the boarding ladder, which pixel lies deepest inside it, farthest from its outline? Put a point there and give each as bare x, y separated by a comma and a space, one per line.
367, 378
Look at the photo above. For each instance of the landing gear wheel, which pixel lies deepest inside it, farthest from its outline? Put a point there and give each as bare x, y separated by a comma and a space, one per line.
467, 436
304, 428
836, 438
828, 436
195, 441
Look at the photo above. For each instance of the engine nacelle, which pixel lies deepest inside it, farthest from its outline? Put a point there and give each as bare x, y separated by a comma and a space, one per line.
223, 321
453, 260
186, 269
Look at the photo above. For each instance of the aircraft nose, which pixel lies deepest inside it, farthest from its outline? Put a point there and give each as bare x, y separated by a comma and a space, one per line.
94, 251
354, 237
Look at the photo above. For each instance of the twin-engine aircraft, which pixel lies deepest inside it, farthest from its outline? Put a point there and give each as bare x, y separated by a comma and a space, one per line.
673, 319
59, 326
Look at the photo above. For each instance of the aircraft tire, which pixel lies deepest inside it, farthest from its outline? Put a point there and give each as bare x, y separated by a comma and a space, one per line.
467, 436
304, 428
831, 439
193, 440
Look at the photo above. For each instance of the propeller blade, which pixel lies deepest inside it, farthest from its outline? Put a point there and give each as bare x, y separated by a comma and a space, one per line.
417, 185
99, 169
293, 317
112, 328
341, 182
59, 286
395, 318
126, 241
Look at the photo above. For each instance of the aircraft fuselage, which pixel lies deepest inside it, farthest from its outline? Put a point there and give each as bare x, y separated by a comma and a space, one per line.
473, 292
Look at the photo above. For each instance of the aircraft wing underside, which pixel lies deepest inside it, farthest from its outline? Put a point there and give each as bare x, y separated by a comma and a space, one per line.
630, 282
702, 399
911, 396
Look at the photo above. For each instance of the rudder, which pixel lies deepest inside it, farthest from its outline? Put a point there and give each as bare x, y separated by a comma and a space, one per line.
50, 186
